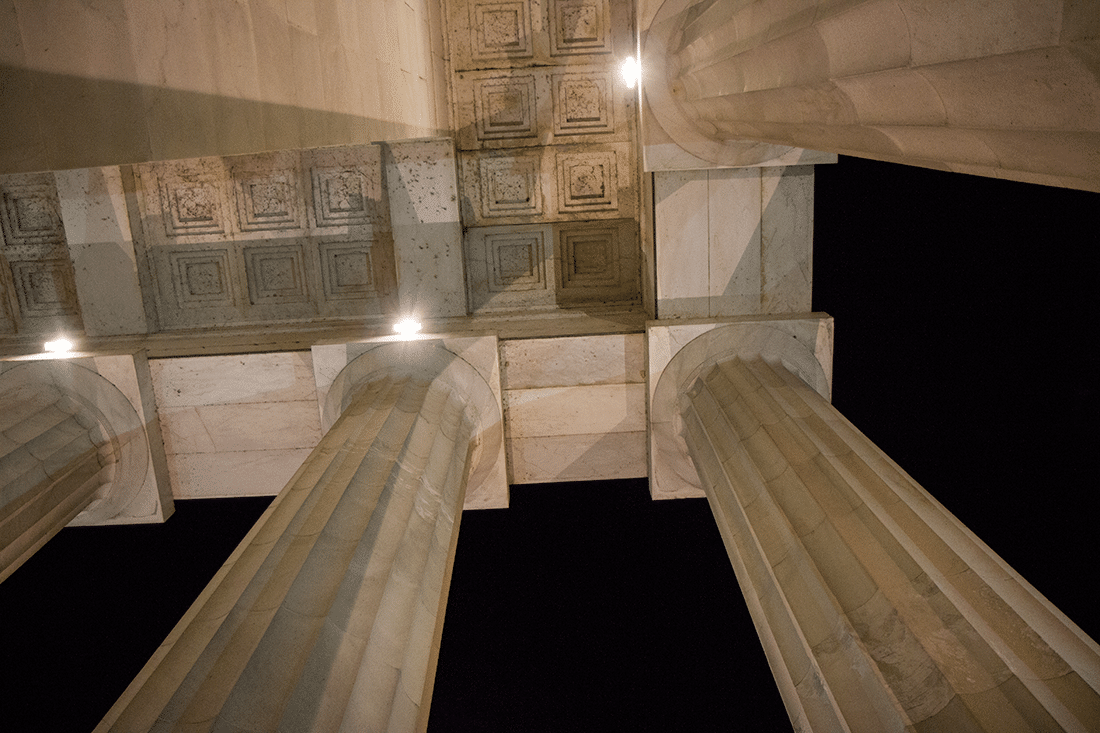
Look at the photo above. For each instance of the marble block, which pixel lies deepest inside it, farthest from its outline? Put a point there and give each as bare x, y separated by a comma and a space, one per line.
575, 407
580, 410
573, 361
422, 185
240, 427
735, 241
786, 239
97, 229
577, 457
237, 473
216, 380
257, 409
677, 353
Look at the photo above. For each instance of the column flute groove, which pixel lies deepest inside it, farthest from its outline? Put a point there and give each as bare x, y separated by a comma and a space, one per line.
911, 622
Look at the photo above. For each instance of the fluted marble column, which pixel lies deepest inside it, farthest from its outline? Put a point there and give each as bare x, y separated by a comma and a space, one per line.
54, 455
877, 609
989, 87
328, 617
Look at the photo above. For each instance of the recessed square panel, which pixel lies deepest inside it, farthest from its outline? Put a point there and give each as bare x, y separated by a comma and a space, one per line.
589, 257
580, 27
201, 278
30, 214
510, 186
583, 104
506, 108
517, 261
344, 197
276, 274
192, 208
268, 202
587, 181
347, 270
501, 30
44, 288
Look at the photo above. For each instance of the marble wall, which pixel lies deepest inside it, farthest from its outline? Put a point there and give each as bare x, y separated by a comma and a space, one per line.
93, 84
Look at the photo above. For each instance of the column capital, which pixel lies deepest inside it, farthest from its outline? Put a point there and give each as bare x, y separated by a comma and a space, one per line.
468, 366
681, 351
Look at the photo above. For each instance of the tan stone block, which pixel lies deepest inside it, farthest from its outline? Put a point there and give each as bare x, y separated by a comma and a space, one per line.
565, 362
577, 457
575, 410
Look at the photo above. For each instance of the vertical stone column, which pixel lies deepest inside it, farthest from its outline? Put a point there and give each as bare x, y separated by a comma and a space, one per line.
989, 88
878, 610
54, 455
74, 450
328, 616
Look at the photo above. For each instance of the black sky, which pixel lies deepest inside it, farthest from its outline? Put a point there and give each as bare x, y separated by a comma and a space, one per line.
963, 349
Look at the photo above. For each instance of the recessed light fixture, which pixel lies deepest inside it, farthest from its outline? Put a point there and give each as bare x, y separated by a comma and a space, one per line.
59, 346
631, 72
406, 327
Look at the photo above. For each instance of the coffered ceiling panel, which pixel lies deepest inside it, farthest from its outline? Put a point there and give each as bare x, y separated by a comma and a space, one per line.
37, 287
279, 236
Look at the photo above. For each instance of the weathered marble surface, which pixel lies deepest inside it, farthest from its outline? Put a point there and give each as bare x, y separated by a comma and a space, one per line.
422, 184
236, 425
92, 85
105, 269
290, 235
734, 242
580, 360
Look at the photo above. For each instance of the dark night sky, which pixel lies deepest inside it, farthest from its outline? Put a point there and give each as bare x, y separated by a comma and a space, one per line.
962, 349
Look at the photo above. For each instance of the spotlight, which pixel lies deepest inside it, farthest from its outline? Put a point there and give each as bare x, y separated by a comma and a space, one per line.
406, 327
60, 346
631, 72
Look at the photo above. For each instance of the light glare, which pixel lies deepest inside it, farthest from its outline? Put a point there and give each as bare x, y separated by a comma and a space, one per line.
407, 326
631, 72
60, 346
